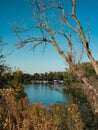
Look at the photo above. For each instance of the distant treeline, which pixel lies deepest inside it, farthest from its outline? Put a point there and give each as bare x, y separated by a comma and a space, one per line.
27, 78
7, 76
51, 76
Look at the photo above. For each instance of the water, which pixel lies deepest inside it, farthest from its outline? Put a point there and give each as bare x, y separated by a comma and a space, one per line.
45, 94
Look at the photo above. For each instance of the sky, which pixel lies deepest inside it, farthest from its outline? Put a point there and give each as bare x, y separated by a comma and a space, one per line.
20, 12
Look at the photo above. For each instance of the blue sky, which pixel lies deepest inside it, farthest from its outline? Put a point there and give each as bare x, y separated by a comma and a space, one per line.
19, 11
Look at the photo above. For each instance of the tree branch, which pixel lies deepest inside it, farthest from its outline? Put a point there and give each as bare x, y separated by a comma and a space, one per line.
65, 20
31, 40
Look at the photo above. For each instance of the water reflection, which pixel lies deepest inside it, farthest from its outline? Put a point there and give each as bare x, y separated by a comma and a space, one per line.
45, 94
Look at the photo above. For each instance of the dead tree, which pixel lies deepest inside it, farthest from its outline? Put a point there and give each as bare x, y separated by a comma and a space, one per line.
52, 23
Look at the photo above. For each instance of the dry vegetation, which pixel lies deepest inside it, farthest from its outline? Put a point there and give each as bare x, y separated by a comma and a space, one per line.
19, 115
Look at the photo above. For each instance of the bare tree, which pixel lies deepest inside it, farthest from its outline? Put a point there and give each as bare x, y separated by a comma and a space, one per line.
55, 26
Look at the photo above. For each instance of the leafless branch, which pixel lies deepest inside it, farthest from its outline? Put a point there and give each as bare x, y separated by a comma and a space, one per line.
81, 55
47, 31
80, 30
73, 7
88, 34
31, 40
68, 38
64, 18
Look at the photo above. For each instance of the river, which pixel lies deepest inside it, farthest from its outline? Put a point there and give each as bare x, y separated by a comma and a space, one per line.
45, 94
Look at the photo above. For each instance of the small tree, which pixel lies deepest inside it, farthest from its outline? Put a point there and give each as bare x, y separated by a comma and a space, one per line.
17, 84
1, 57
2, 66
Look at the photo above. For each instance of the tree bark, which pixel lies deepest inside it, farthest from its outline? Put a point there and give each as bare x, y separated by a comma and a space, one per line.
91, 93
81, 34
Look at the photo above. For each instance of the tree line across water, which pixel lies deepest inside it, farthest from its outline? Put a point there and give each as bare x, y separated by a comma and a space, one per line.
7, 76
26, 78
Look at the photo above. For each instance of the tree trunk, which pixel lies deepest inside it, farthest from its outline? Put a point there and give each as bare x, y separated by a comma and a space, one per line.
93, 61
81, 34
86, 44
92, 94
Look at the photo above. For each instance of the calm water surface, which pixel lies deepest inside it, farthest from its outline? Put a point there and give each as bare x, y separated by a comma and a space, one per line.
45, 94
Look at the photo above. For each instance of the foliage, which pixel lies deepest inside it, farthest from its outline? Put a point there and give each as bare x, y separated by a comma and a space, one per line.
48, 76
73, 87
17, 84
19, 115
3, 67
71, 81
86, 70
90, 120
11, 110
1, 52
69, 78
26, 78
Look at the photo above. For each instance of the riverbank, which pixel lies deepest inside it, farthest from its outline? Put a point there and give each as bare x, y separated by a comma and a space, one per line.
46, 81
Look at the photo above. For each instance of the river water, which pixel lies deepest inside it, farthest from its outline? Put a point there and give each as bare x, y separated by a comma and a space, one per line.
45, 94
